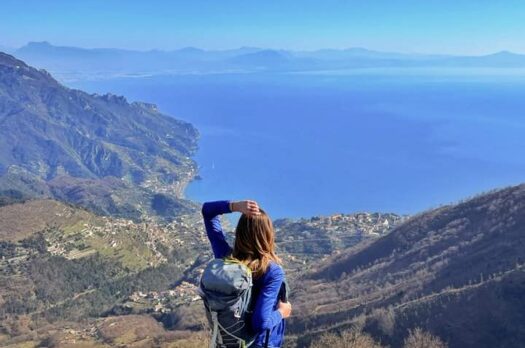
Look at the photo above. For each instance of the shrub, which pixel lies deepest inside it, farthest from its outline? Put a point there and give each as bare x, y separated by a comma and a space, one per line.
418, 338
353, 338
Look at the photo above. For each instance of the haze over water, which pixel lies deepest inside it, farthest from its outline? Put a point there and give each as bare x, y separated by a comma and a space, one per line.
386, 140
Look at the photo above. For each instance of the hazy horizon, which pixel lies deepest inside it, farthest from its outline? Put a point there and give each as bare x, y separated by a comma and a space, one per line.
445, 27
14, 49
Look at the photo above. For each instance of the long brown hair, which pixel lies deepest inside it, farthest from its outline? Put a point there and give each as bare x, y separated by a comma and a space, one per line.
255, 242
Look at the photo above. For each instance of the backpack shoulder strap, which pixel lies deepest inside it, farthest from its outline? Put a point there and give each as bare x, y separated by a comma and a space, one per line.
267, 339
284, 291
230, 259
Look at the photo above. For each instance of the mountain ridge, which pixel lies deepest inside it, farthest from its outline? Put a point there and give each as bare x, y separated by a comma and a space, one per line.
433, 271
356, 50
124, 154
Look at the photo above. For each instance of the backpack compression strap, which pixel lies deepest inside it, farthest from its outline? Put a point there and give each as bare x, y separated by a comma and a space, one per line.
215, 330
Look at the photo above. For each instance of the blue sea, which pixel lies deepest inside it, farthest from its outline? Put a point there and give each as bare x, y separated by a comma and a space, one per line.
306, 144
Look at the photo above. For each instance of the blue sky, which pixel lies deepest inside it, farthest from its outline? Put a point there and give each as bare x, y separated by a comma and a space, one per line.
426, 26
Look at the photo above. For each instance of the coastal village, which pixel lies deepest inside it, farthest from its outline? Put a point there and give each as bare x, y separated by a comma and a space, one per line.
140, 245
328, 234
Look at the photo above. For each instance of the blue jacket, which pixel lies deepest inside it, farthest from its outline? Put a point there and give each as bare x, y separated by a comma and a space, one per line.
265, 288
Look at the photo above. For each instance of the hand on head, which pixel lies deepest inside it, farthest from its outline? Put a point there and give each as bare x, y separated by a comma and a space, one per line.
247, 207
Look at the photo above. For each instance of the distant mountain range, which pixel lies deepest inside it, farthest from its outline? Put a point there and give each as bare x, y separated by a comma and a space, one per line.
97, 151
72, 62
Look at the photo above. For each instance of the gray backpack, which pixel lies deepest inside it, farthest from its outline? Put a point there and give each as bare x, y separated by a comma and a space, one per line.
225, 288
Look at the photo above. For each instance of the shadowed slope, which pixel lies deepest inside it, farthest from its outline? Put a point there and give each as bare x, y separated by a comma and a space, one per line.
457, 271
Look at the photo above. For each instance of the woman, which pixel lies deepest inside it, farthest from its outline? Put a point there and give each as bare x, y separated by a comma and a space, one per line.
255, 246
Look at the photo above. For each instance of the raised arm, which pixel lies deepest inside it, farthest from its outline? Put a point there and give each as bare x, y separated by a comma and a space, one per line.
212, 223
212, 210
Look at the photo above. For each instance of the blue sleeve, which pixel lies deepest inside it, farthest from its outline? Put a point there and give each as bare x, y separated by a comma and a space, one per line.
210, 213
265, 315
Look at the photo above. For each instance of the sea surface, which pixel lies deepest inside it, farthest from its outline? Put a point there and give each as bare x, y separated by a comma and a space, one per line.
306, 144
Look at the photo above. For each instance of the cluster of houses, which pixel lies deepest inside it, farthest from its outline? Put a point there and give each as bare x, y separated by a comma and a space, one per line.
165, 301
374, 224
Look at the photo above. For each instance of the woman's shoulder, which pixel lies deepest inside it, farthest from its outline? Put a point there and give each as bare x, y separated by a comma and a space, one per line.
274, 270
